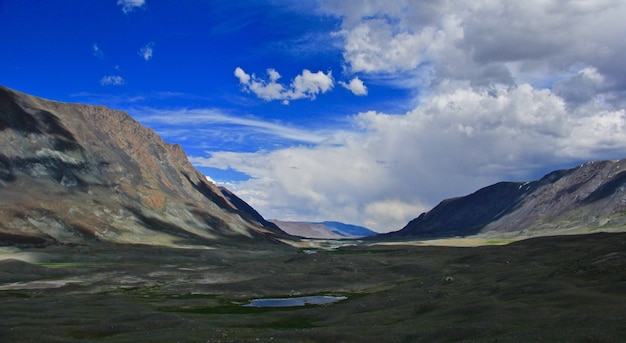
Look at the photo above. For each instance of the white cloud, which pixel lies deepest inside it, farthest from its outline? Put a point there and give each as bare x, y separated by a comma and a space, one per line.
505, 90
394, 166
130, 5
306, 85
356, 86
97, 51
485, 42
213, 117
112, 80
146, 51
383, 212
372, 46
242, 76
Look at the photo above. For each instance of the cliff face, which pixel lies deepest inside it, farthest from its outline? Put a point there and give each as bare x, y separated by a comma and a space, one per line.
589, 197
73, 173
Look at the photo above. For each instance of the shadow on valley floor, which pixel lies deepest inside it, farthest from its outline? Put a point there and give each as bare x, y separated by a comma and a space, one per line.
568, 288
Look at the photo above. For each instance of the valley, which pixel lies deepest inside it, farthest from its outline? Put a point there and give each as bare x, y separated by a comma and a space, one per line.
566, 288
108, 233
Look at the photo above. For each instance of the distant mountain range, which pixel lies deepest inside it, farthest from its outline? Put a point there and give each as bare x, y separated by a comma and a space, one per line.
73, 174
324, 230
586, 198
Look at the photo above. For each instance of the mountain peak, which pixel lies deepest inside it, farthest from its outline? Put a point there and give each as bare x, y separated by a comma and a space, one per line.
591, 194
72, 173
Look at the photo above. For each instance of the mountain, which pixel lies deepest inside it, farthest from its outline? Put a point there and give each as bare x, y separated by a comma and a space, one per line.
588, 197
323, 230
72, 173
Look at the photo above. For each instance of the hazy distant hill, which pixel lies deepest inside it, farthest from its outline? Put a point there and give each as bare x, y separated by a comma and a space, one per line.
72, 173
327, 229
586, 198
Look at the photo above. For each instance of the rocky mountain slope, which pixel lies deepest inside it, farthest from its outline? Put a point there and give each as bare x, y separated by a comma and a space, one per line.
589, 197
73, 173
323, 230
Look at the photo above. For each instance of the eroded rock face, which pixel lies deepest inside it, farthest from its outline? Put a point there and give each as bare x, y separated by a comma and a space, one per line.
73, 173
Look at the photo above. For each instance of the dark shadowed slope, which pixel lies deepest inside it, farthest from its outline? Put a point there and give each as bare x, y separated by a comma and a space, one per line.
72, 173
592, 195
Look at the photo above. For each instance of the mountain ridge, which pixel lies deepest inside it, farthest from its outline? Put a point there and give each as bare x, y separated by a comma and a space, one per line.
592, 194
73, 173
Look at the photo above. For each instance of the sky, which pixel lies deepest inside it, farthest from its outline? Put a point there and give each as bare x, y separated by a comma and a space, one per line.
367, 112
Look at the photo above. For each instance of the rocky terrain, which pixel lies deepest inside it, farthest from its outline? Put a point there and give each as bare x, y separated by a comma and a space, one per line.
323, 230
583, 199
74, 174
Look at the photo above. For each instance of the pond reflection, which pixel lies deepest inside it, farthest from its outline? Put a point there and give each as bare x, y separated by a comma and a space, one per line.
297, 301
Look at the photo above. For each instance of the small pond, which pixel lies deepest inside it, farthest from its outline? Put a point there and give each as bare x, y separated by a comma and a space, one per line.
296, 301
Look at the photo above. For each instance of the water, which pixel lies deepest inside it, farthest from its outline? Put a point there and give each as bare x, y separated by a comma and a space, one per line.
297, 301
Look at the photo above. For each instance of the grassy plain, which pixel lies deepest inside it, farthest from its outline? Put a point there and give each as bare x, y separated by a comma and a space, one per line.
565, 289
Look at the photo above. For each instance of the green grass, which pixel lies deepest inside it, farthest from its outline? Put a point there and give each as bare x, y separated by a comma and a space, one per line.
228, 309
567, 288
286, 324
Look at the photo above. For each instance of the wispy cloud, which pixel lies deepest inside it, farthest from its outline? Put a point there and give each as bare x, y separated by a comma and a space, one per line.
112, 80
132, 101
306, 85
97, 51
130, 5
146, 51
201, 118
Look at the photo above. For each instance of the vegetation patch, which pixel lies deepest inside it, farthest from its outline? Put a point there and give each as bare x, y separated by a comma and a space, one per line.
296, 322
226, 309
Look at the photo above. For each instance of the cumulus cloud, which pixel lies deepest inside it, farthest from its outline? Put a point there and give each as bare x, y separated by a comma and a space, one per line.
356, 86
112, 80
396, 166
483, 42
306, 85
146, 51
497, 99
581, 87
130, 5
242, 76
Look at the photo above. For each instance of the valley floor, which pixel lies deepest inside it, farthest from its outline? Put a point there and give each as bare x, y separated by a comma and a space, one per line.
567, 288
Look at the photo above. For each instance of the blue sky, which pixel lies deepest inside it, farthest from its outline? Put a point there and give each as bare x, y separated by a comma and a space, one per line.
366, 112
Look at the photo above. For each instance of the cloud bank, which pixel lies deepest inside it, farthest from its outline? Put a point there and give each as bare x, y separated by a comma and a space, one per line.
397, 166
504, 90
